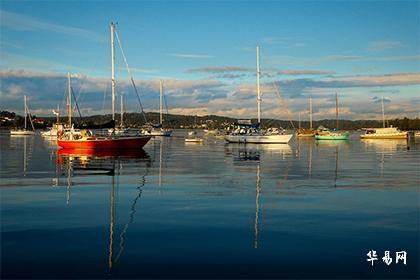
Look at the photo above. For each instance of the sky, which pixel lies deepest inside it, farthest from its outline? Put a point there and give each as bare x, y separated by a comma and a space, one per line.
204, 52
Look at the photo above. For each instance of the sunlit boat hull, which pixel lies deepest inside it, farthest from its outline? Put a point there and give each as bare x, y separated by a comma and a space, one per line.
194, 140
401, 135
22, 132
332, 137
166, 133
268, 139
98, 143
305, 135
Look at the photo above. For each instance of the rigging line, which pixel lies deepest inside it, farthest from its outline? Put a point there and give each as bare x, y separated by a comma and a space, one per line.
75, 101
30, 119
282, 102
131, 76
167, 111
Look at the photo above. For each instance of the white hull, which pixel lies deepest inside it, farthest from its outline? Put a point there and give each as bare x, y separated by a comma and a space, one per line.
268, 139
400, 135
159, 133
22, 132
190, 140
49, 133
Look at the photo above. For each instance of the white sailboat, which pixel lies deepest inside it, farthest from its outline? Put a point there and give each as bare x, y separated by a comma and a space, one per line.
247, 133
385, 132
24, 131
158, 130
53, 131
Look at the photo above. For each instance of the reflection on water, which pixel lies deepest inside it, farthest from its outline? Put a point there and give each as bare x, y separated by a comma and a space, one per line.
211, 209
108, 163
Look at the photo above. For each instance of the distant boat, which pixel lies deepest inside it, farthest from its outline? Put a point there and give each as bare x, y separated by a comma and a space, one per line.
307, 132
56, 128
336, 134
24, 131
84, 139
252, 133
192, 137
384, 132
157, 129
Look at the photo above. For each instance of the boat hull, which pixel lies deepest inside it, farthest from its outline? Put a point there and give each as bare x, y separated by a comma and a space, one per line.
267, 139
402, 135
105, 143
332, 137
305, 135
22, 132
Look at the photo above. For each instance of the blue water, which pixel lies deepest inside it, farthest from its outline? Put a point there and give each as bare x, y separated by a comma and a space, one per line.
213, 210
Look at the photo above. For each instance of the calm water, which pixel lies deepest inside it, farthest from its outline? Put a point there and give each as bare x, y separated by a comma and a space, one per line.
308, 209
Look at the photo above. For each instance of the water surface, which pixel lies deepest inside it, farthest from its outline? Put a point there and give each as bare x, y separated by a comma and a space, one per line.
304, 210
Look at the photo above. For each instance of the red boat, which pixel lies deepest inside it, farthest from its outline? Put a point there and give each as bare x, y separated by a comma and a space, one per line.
84, 139
94, 143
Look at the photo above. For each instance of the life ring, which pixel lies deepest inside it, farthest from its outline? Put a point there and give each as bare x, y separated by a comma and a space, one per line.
59, 133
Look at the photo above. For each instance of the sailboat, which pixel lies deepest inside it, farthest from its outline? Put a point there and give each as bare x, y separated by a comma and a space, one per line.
252, 133
158, 130
305, 132
53, 131
24, 131
326, 134
385, 132
84, 139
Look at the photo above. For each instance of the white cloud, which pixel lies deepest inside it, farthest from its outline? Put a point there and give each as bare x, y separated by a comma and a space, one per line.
188, 55
378, 46
21, 22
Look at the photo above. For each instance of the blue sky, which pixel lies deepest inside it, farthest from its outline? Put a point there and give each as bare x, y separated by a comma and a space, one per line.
205, 53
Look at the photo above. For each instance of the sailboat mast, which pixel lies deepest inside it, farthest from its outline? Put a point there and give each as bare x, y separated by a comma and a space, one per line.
161, 101
24, 98
113, 69
310, 112
69, 98
336, 110
258, 86
383, 113
58, 113
299, 120
121, 112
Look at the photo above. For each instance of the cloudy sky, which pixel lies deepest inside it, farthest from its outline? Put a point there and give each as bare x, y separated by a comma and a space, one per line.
205, 54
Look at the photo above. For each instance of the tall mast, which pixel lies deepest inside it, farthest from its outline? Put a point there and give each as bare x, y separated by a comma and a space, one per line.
310, 112
383, 113
161, 101
336, 110
299, 120
258, 86
113, 69
69, 98
121, 112
24, 99
58, 113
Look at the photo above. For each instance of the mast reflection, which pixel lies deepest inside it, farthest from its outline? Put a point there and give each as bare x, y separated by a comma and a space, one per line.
108, 163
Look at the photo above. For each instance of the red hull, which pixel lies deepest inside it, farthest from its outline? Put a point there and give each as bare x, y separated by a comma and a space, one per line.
105, 143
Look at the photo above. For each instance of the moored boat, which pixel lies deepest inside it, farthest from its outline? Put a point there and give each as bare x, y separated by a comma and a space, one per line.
24, 131
326, 134
307, 132
84, 139
384, 132
157, 129
253, 133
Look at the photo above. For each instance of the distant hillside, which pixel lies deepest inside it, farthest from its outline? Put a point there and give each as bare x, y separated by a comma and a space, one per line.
9, 119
